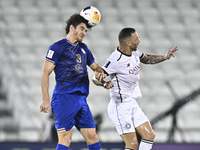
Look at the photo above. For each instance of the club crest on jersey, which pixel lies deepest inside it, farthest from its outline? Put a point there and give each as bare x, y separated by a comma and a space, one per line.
128, 125
107, 64
83, 50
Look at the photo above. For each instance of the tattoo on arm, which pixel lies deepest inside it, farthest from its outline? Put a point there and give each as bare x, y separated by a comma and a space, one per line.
152, 59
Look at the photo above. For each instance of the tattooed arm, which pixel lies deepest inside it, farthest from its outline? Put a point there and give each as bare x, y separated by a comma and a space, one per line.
153, 59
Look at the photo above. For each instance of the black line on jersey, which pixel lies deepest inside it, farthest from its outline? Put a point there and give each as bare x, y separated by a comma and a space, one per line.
66, 73
105, 72
67, 56
74, 48
142, 56
123, 53
119, 88
65, 76
119, 57
119, 120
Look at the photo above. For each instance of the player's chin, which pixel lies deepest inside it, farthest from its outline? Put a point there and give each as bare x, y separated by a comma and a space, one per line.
134, 49
80, 40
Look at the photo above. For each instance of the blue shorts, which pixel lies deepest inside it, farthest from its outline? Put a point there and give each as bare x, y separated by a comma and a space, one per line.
71, 110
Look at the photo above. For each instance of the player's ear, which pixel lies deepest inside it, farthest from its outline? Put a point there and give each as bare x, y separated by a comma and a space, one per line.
71, 28
128, 43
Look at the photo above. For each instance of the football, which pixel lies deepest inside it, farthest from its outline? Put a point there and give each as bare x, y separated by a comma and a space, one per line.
92, 15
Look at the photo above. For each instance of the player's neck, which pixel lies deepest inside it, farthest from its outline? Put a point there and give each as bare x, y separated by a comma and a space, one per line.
71, 39
125, 50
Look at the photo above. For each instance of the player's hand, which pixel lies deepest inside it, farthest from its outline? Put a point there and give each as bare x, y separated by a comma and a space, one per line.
108, 85
100, 76
45, 106
170, 53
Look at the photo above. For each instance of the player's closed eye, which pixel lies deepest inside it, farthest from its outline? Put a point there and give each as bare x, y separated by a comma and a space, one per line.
83, 29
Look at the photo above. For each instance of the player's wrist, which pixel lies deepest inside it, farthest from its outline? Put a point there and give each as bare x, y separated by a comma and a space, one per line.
46, 100
107, 79
96, 81
166, 57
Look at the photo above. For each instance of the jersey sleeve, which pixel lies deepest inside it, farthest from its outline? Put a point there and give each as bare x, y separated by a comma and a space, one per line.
139, 54
110, 66
53, 53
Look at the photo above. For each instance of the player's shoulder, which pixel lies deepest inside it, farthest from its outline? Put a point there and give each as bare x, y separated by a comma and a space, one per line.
137, 53
83, 45
59, 43
115, 55
115, 52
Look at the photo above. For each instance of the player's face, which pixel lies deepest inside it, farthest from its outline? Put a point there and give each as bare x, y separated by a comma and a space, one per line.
134, 41
80, 32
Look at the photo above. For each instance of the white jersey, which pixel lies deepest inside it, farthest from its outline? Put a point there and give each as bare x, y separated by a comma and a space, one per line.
124, 71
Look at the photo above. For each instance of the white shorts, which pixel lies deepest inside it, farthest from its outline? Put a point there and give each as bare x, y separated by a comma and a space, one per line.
126, 116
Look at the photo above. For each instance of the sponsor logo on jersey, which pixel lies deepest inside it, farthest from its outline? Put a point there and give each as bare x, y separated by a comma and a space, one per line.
135, 70
107, 64
78, 68
50, 54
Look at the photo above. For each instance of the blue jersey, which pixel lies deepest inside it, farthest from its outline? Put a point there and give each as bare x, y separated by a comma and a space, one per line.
70, 62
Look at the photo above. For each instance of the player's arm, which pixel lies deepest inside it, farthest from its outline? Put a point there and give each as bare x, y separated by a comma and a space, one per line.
98, 71
46, 71
153, 59
101, 78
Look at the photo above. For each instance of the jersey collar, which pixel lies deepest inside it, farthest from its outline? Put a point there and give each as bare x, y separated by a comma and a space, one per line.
70, 42
123, 53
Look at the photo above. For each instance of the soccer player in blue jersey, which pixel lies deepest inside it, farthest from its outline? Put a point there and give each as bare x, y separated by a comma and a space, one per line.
69, 59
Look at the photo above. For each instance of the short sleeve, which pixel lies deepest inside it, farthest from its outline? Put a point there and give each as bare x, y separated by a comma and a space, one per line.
138, 53
53, 53
110, 66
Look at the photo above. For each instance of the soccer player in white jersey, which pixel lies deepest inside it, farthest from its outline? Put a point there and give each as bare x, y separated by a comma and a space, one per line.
123, 67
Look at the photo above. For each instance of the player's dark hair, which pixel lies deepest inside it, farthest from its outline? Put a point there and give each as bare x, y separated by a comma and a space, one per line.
125, 33
75, 20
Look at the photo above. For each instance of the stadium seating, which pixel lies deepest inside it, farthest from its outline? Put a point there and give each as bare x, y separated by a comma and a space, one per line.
29, 27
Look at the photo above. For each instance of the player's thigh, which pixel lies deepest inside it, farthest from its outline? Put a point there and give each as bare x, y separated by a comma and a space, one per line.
145, 131
138, 115
64, 137
84, 118
130, 140
89, 135
121, 115
65, 108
